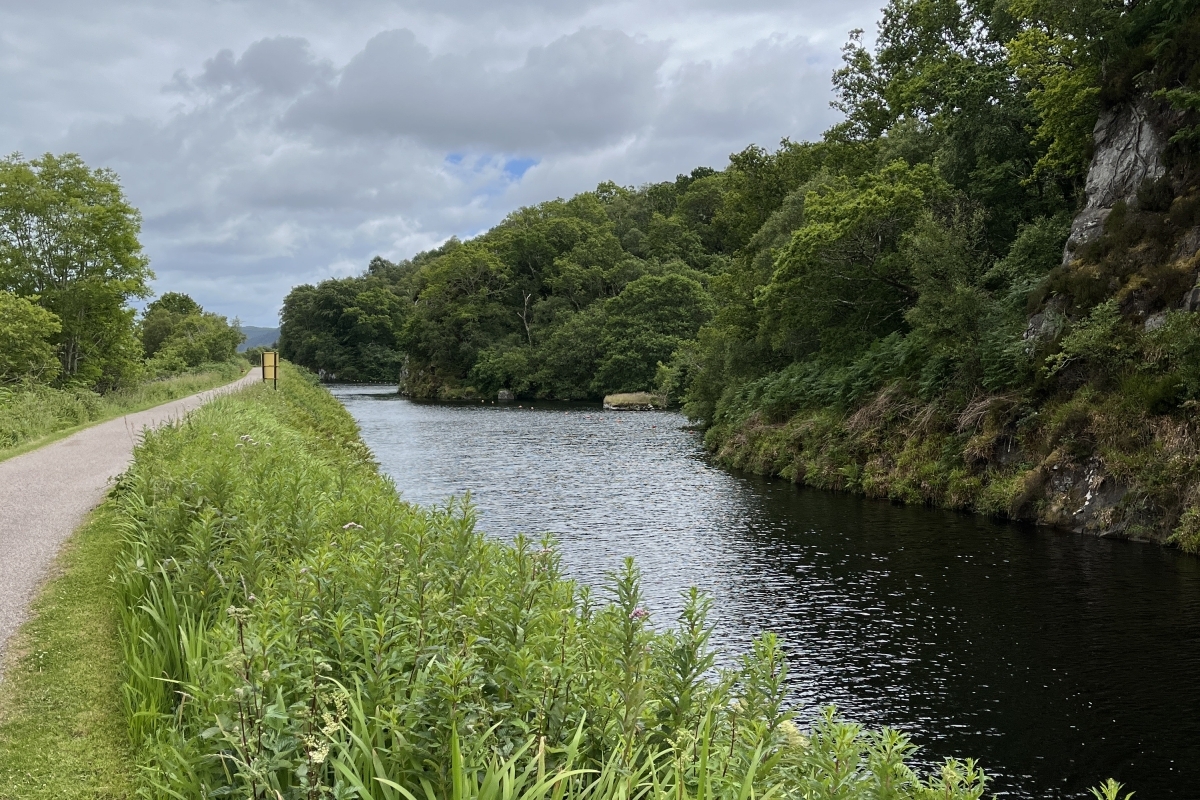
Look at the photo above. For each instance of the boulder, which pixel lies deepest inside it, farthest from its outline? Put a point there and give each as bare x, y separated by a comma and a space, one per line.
505, 396
633, 401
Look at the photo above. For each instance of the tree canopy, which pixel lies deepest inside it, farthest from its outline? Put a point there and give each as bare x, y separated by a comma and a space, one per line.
69, 237
178, 334
71, 266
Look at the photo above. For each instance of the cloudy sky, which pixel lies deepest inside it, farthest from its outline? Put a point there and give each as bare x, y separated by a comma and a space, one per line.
274, 143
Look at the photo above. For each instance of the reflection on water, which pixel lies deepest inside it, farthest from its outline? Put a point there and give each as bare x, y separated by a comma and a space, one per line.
1056, 660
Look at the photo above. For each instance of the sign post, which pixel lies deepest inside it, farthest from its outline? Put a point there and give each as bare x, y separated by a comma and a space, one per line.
270, 367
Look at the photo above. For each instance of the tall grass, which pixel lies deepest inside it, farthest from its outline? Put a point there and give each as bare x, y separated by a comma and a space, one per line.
28, 413
292, 629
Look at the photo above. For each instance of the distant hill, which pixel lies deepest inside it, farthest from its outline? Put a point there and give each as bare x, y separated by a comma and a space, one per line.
256, 337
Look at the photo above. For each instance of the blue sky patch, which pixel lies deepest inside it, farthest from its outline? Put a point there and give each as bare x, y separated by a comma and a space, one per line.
517, 167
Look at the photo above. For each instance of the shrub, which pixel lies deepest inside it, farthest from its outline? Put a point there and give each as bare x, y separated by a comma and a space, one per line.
26, 331
1102, 342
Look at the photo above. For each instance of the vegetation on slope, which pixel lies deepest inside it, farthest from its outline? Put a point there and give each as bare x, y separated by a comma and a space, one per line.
885, 310
292, 629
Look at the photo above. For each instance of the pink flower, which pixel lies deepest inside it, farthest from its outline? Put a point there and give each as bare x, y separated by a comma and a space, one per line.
639, 614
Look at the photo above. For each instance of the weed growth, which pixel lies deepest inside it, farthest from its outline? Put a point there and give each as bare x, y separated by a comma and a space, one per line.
29, 413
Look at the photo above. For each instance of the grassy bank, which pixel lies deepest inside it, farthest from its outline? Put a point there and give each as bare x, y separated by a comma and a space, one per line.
292, 629
1091, 460
62, 725
31, 417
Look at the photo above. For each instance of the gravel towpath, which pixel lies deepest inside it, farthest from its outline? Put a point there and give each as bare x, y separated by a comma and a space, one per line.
45, 495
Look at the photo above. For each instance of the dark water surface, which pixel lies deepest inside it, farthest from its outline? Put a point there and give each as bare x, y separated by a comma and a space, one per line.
1055, 660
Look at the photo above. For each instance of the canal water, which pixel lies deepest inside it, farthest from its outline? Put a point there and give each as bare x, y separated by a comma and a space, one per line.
1055, 660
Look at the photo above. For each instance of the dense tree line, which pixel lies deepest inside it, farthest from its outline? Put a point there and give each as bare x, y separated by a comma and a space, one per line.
71, 267
908, 246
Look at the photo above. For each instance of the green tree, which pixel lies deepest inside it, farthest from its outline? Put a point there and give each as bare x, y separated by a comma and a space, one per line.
68, 236
178, 334
841, 282
942, 87
1058, 54
162, 317
644, 325
198, 339
348, 327
27, 333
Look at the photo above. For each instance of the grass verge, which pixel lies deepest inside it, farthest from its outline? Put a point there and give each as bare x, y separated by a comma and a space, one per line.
62, 728
33, 418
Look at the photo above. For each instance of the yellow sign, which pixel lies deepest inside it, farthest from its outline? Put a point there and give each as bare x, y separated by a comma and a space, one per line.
270, 366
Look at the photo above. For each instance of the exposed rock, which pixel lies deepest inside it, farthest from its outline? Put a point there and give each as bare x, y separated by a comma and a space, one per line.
505, 396
1129, 152
1188, 246
1085, 499
1155, 321
1046, 324
633, 401
1191, 300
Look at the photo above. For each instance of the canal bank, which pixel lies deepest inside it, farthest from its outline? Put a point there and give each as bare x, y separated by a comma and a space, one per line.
1055, 658
287, 626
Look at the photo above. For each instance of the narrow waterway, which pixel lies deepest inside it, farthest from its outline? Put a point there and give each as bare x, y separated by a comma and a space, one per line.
1055, 660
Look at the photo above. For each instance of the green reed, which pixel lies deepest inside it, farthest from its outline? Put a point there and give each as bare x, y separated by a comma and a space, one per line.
293, 629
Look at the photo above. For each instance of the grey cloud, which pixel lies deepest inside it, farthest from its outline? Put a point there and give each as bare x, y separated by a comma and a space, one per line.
283, 66
581, 90
275, 160
778, 87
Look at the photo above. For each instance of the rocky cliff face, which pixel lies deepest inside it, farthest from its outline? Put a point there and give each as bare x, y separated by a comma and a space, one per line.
1103, 446
1129, 152
1130, 145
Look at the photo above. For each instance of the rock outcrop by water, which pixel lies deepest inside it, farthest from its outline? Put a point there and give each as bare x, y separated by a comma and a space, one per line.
1130, 144
1082, 457
1129, 152
633, 401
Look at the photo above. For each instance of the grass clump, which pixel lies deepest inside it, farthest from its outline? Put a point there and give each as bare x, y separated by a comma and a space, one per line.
62, 727
291, 629
31, 415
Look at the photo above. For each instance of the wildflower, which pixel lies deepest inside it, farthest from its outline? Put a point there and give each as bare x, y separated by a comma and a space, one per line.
639, 614
350, 525
318, 751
